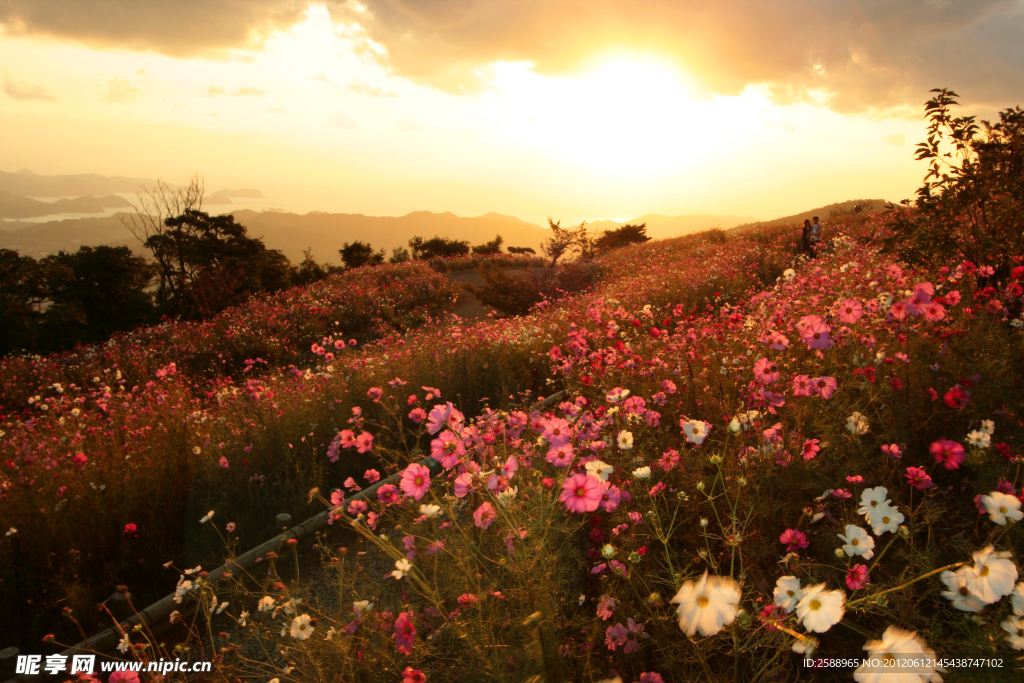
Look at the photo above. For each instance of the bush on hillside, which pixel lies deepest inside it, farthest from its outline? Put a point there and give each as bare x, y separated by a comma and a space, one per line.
489, 248
516, 294
437, 246
622, 236
971, 205
359, 254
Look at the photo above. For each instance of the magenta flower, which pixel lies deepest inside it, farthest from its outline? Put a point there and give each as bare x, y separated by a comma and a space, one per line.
230, 527
918, 478
484, 516
814, 331
463, 484
825, 386
892, 450
606, 607
417, 415
130, 528
375, 393
364, 442
581, 493
411, 675
557, 431
388, 494
446, 449
405, 633
560, 455
850, 311
357, 506
766, 371
794, 540
857, 577
415, 480
610, 497
934, 312
372, 476
802, 385
948, 453
615, 636
439, 416
651, 677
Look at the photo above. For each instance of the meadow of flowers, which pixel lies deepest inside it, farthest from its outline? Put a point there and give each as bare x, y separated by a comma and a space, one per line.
757, 461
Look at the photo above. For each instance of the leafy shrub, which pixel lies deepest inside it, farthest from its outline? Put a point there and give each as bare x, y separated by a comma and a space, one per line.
517, 294
622, 236
437, 247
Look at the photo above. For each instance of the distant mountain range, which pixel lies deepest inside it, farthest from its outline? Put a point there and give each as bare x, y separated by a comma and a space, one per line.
28, 184
16, 206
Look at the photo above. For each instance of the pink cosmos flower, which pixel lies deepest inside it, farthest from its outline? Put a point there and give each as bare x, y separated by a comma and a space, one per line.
766, 371
463, 484
405, 633
357, 506
615, 636
439, 416
857, 577
364, 442
892, 450
415, 480
669, 459
850, 311
411, 675
952, 298
957, 397
610, 497
130, 528
560, 455
651, 677
668, 386
388, 494
934, 312
811, 449
372, 476
417, 415
825, 386
802, 385
918, 478
794, 540
484, 516
124, 677
337, 497
606, 607
223, 462
814, 331
557, 431
375, 393
447, 449
581, 493
948, 453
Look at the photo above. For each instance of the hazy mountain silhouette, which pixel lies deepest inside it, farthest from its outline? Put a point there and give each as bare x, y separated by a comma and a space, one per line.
16, 206
28, 184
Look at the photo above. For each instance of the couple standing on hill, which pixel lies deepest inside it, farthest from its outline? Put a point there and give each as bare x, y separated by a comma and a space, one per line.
811, 236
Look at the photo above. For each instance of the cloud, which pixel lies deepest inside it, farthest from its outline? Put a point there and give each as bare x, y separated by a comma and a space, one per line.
122, 92
364, 88
407, 126
199, 28
214, 91
894, 139
276, 110
340, 120
20, 90
870, 53
248, 91
322, 78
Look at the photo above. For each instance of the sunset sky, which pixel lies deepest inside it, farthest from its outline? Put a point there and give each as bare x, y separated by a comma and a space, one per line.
570, 109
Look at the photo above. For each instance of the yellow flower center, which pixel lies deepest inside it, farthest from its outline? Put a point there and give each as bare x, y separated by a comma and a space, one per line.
1002, 509
855, 541
815, 605
702, 602
983, 571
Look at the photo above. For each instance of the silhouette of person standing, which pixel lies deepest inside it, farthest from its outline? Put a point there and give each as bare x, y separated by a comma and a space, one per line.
815, 236
805, 237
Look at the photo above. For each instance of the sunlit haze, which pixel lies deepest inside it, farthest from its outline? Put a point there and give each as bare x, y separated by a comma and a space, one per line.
328, 108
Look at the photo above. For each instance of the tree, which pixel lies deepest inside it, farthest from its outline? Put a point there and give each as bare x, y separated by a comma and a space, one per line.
562, 240
359, 254
308, 271
399, 255
209, 263
94, 293
622, 236
437, 247
22, 294
971, 204
489, 248
149, 222
521, 250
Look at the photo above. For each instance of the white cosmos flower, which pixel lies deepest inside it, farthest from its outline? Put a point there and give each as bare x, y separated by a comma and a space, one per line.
857, 424
819, 609
707, 605
625, 440
599, 469
788, 274
1001, 507
885, 518
430, 510
361, 607
266, 603
402, 568
872, 498
959, 592
696, 431
642, 472
900, 656
1017, 597
207, 517
994, 574
301, 628
1014, 627
807, 646
857, 541
506, 496
979, 439
124, 645
788, 592
988, 426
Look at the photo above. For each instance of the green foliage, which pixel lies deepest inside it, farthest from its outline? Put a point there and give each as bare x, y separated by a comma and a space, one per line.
308, 271
492, 247
359, 254
22, 291
971, 204
622, 236
399, 255
437, 247
80, 286
517, 294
